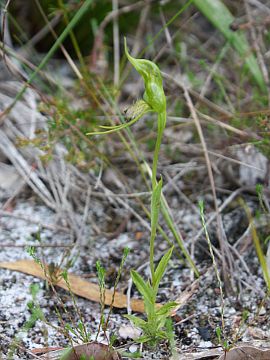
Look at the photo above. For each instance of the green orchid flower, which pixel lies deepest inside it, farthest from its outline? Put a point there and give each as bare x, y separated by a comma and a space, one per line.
154, 100
154, 94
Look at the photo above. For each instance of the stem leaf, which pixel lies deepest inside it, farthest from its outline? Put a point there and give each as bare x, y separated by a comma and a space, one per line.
155, 205
160, 270
166, 309
143, 287
138, 322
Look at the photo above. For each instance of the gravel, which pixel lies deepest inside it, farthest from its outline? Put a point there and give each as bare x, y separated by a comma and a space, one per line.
195, 322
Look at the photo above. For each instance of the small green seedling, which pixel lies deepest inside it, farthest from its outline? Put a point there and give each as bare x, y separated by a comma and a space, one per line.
52, 276
220, 336
34, 308
104, 322
36, 314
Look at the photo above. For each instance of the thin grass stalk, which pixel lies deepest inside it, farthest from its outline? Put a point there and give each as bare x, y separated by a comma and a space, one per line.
73, 37
257, 245
219, 15
50, 53
201, 206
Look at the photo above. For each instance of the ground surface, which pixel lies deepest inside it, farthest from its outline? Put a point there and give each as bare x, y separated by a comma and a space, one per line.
61, 190
194, 324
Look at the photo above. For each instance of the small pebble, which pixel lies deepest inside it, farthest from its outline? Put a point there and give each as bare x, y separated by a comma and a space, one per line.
205, 344
133, 348
262, 311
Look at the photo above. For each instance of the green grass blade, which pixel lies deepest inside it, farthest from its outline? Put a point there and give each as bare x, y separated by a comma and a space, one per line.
166, 308
219, 15
82, 10
257, 245
260, 255
138, 322
155, 207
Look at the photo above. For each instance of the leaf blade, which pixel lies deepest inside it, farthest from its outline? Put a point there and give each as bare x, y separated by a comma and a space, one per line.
144, 289
219, 15
160, 270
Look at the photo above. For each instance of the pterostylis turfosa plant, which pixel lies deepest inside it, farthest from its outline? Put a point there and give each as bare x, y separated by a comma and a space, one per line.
154, 100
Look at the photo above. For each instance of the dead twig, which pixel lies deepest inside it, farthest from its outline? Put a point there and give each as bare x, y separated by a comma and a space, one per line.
220, 234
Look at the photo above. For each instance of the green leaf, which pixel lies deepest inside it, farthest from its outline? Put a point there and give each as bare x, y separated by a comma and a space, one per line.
166, 309
138, 322
172, 226
101, 274
219, 15
144, 288
144, 339
161, 335
65, 354
80, 326
149, 308
160, 270
128, 355
155, 206
64, 275
219, 333
201, 206
34, 289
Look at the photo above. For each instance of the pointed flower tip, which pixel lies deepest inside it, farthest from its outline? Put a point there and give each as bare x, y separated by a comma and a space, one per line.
154, 93
126, 48
130, 58
125, 44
